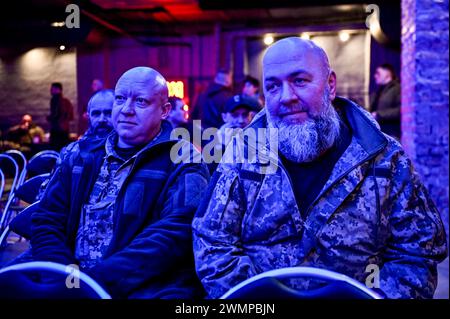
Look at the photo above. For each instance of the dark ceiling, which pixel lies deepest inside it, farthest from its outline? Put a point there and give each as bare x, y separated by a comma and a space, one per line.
27, 22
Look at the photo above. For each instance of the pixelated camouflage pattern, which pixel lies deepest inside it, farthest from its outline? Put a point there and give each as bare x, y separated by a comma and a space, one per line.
252, 222
96, 220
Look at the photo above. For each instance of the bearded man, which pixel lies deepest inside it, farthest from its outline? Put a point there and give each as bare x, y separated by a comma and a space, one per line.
344, 195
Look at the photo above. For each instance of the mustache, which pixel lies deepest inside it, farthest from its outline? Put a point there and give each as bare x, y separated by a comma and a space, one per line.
103, 126
296, 108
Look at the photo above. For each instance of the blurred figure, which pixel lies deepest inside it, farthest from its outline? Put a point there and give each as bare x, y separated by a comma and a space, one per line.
210, 104
237, 115
386, 101
26, 134
251, 89
178, 117
237, 111
61, 113
99, 110
96, 85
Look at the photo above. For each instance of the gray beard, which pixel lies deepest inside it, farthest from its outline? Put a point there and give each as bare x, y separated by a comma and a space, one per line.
307, 141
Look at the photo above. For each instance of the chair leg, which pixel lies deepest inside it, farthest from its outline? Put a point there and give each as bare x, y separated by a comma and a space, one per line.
4, 237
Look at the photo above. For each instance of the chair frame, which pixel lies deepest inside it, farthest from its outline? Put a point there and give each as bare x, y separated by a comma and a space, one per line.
16, 173
308, 272
58, 268
25, 162
5, 233
2, 182
13, 188
44, 153
6, 211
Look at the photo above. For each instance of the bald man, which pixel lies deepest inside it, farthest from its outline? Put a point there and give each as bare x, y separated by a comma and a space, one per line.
343, 197
121, 207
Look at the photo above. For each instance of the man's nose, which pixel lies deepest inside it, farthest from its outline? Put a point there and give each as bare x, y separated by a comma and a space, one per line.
102, 117
287, 94
128, 107
242, 119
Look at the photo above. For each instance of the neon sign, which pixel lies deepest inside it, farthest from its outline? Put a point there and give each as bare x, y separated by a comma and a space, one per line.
176, 88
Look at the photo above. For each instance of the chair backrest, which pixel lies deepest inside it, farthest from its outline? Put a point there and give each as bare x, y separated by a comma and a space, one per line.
2, 182
21, 224
268, 286
29, 190
48, 280
10, 169
41, 163
21, 161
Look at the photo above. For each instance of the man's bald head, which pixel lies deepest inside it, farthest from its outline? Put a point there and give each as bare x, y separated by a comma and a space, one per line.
296, 48
140, 105
148, 77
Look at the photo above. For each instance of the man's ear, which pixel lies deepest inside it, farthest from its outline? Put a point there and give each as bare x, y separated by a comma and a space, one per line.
166, 110
224, 117
332, 85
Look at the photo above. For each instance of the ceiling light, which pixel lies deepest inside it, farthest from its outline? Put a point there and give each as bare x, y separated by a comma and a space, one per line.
62, 47
57, 24
305, 36
344, 36
268, 39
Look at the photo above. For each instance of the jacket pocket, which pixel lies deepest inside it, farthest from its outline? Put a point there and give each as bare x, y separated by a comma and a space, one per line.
133, 199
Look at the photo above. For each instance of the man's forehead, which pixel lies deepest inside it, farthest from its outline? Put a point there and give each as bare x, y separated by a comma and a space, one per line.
102, 101
292, 51
292, 57
148, 84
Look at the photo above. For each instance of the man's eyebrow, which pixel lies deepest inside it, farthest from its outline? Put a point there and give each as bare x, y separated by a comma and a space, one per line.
291, 75
271, 78
299, 72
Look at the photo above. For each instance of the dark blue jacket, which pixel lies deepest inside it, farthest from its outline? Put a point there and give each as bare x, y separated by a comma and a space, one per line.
150, 254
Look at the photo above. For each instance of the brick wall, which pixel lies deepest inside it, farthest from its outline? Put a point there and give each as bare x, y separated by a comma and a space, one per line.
425, 108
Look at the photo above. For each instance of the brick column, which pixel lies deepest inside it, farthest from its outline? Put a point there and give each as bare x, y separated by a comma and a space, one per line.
425, 104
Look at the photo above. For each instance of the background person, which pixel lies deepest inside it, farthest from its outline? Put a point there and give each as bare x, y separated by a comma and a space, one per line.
61, 114
386, 101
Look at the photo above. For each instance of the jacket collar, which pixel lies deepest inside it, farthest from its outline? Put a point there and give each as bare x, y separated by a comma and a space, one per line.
364, 127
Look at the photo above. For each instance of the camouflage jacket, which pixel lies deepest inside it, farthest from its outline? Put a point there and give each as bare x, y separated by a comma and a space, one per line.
372, 210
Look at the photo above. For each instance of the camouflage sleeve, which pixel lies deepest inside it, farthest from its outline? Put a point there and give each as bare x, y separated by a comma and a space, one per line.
417, 242
220, 259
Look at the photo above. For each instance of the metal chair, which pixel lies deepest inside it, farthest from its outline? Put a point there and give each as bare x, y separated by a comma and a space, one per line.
42, 163
27, 192
2, 183
10, 170
48, 280
268, 286
21, 225
21, 161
